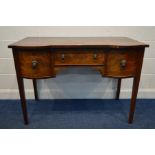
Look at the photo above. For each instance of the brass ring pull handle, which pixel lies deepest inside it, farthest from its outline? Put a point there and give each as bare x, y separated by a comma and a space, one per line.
94, 56
63, 57
123, 63
34, 64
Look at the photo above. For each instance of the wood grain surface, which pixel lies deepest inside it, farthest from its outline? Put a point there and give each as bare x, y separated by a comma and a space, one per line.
57, 42
43, 67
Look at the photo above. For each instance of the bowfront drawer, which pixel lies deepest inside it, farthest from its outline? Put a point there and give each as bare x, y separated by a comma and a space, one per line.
121, 63
84, 57
35, 64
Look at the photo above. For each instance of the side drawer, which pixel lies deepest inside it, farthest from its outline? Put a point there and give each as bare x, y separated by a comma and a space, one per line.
121, 63
35, 64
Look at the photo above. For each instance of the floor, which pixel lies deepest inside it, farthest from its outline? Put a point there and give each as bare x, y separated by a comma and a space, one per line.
77, 114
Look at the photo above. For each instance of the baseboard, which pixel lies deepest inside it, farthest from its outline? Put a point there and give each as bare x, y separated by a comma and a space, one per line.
58, 94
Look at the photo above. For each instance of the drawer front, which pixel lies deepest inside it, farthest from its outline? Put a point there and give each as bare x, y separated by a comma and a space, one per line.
121, 63
84, 57
35, 64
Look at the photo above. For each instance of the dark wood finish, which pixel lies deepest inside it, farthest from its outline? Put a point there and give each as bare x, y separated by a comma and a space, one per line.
35, 89
84, 57
65, 42
114, 59
21, 88
43, 60
118, 89
42, 57
135, 87
23, 100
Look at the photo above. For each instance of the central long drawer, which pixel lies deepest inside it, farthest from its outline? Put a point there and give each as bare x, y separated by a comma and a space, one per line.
79, 57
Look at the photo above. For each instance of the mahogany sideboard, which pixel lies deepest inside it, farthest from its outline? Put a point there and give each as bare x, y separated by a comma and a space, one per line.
43, 57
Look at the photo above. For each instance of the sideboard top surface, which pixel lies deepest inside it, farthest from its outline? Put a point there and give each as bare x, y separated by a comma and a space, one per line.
58, 42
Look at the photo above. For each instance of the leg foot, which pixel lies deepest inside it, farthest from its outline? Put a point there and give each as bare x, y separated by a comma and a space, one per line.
133, 99
22, 98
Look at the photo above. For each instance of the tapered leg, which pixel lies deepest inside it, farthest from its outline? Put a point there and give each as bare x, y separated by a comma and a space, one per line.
118, 89
133, 98
22, 98
35, 89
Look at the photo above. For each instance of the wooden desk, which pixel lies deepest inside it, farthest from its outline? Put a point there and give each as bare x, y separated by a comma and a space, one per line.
42, 57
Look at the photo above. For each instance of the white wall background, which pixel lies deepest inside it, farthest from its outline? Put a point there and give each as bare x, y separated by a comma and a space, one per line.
76, 83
